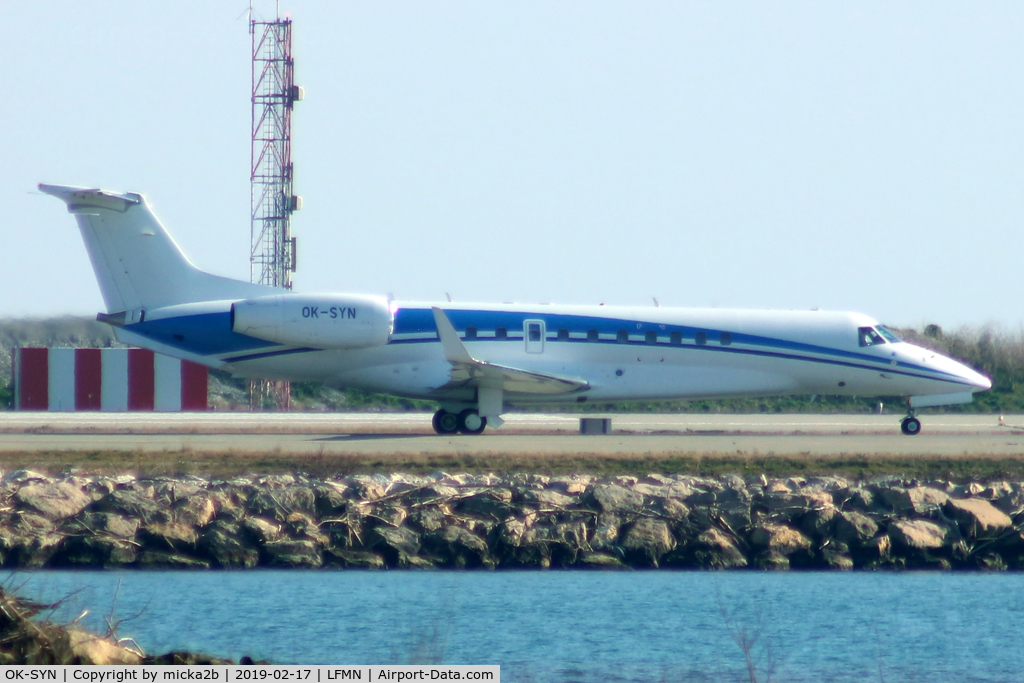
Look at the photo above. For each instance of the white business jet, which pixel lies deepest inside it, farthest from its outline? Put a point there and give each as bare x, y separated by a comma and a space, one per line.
477, 359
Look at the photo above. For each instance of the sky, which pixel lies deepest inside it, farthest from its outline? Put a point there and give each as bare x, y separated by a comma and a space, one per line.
843, 156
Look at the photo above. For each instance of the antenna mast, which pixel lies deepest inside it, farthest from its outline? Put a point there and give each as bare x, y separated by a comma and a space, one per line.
272, 254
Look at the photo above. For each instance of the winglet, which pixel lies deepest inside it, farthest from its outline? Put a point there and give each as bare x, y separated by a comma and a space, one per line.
454, 350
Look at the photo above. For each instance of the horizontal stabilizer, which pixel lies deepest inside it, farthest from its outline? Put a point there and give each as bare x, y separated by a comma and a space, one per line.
470, 372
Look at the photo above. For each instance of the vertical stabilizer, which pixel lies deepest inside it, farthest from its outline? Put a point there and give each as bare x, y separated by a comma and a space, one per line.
137, 263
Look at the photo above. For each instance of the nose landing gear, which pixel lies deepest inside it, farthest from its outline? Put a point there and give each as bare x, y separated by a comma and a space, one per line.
910, 425
468, 422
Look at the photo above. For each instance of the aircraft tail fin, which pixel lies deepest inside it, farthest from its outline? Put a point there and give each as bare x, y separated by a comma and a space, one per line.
137, 263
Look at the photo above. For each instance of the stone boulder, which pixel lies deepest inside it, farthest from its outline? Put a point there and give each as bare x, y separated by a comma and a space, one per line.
330, 498
96, 551
919, 500
836, 556
397, 544
366, 488
458, 547
432, 493
1012, 503
105, 523
672, 509
712, 549
428, 518
573, 485
496, 504
279, 503
29, 542
606, 532
392, 515
197, 511
159, 559
593, 560
819, 523
230, 505
854, 497
548, 543
135, 504
54, 501
171, 536
918, 534
301, 553
854, 528
89, 648
647, 540
261, 530
977, 518
548, 498
789, 506
615, 498
778, 539
356, 559
302, 526
25, 477
227, 550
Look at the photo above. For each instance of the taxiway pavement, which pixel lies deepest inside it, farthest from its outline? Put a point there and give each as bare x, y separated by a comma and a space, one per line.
399, 434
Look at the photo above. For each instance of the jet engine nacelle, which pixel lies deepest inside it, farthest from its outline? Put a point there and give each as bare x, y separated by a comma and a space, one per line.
321, 321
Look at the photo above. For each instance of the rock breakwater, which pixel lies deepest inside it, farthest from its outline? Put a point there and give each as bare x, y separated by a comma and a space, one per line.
507, 521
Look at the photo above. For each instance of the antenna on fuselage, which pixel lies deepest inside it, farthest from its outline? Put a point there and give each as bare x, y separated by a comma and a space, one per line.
656, 304
448, 296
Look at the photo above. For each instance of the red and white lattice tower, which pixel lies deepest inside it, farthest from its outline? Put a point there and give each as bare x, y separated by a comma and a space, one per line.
272, 255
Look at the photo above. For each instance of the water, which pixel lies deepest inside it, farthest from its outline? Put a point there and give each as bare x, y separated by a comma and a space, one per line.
576, 626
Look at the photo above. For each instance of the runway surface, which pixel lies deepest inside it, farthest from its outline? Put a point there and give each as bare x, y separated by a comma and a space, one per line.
397, 434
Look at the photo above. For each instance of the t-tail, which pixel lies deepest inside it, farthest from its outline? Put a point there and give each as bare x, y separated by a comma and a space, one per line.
138, 265
155, 298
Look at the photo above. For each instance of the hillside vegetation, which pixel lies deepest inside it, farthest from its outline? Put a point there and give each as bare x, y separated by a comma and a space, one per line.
996, 353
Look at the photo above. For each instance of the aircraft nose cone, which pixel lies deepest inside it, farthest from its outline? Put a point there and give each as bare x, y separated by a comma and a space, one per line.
978, 381
975, 380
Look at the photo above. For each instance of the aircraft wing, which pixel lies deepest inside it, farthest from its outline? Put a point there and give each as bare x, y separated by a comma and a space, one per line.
470, 372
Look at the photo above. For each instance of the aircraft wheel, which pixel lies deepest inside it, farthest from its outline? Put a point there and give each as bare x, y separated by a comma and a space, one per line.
445, 422
910, 426
470, 422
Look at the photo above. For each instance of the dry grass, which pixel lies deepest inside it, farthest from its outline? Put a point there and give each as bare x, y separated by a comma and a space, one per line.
225, 465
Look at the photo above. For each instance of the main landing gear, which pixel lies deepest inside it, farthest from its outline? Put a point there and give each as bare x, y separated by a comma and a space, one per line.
910, 425
466, 422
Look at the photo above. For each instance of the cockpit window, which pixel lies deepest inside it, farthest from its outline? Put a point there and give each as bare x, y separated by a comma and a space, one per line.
869, 337
888, 334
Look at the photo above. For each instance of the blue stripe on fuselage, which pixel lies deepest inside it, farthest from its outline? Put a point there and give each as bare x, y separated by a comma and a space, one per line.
207, 334
421, 321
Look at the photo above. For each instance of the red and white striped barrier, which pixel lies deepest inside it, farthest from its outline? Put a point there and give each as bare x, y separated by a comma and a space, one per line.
111, 380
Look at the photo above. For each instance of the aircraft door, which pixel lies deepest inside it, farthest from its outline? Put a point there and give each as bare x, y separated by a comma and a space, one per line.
533, 333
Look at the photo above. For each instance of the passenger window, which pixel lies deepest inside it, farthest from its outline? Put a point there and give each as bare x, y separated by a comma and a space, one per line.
470, 333
868, 336
651, 337
592, 335
701, 338
534, 331
622, 337
676, 338
725, 338
501, 333
563, 335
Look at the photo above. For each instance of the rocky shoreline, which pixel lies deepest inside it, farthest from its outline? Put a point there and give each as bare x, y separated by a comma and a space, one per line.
502, 522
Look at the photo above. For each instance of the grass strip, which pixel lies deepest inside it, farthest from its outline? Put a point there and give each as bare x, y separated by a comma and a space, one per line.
228, 464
